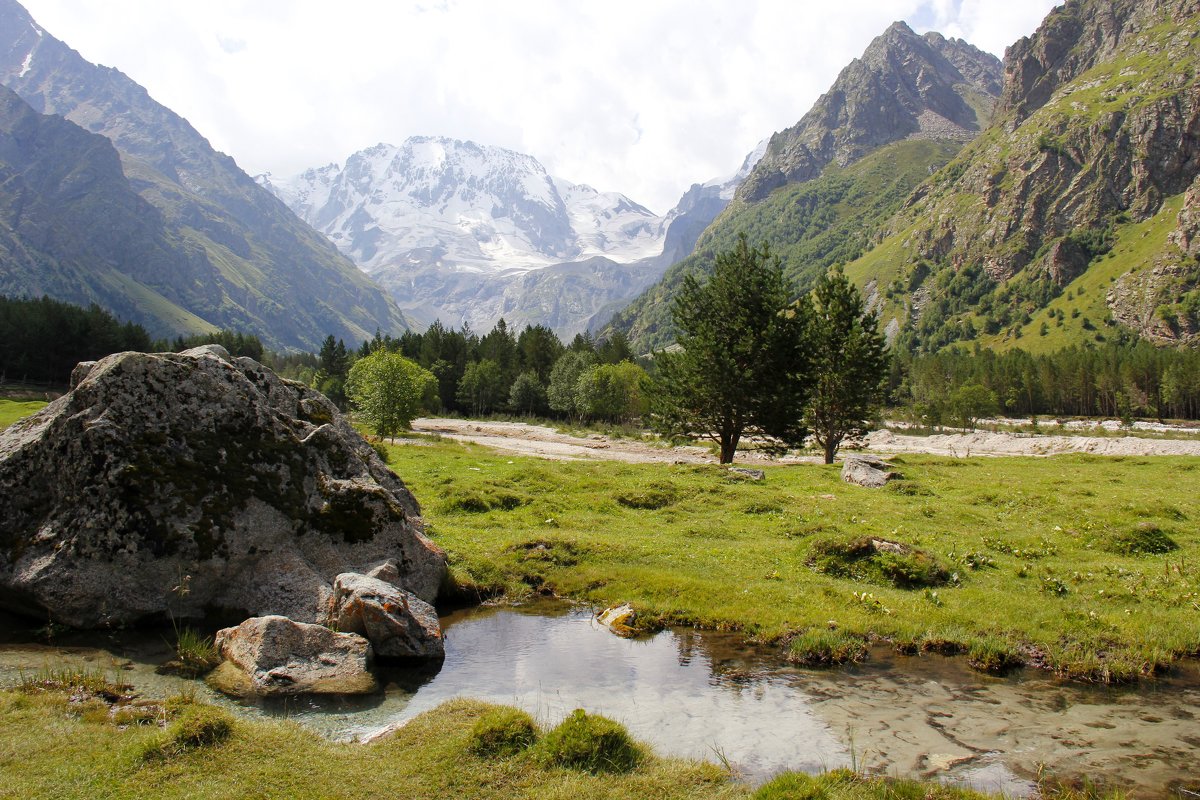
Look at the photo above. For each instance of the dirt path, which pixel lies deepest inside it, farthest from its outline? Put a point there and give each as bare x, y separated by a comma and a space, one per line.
543, 442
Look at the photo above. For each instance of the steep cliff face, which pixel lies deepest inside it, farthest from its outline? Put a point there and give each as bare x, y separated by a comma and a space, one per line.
904, 85
1099, 124
1161, 302
1073, 39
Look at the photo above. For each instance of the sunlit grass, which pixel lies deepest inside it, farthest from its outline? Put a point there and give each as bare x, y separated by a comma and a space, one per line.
1028, 545
13, 410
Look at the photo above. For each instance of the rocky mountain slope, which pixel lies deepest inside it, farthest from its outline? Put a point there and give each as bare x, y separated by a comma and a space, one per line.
72, 226
892, 117
1070, 219
903, 85
243, 260
468, 233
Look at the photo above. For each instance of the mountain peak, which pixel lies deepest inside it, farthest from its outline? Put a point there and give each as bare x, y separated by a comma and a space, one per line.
457, 204
903, 86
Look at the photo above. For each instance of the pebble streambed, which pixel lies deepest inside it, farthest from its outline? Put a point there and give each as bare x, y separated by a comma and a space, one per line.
710, 696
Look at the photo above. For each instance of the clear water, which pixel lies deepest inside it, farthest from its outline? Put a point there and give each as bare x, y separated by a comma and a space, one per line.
709, 696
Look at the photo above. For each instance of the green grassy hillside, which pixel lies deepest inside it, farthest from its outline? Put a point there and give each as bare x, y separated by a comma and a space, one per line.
1053, 227
810, 226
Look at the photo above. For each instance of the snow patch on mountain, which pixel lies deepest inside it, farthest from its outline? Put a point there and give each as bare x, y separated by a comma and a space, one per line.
440, 202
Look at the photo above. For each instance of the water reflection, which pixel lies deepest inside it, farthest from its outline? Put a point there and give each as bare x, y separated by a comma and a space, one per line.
711, 696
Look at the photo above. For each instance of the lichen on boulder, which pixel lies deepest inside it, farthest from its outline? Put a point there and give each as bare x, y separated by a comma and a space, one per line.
180, 484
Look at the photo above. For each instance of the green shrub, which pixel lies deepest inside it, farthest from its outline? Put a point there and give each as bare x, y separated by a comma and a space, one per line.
1145, 539
822, 647
503, 732
873, 560
591, 743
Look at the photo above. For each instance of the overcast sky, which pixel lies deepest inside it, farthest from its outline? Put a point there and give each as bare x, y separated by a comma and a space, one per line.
644, 97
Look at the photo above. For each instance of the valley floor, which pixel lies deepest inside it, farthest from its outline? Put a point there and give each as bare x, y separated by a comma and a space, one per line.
544, 442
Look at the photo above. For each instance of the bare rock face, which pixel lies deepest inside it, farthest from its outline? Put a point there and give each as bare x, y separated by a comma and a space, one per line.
395, 622
904, 85
868, 471
273, 656
193, 482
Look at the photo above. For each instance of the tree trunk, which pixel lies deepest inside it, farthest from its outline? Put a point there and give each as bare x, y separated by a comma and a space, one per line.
729, 443
831, 446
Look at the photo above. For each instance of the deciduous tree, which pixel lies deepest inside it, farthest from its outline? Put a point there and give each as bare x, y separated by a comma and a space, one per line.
388, 391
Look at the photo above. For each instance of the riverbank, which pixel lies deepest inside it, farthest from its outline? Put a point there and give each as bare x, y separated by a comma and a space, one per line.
1082, 565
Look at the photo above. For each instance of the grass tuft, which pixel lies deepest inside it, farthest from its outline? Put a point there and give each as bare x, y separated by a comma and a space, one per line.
647, 499
822, 647
195, 654
878, 561
993, 656
196, 726
501, 732
1144, 539
591, 743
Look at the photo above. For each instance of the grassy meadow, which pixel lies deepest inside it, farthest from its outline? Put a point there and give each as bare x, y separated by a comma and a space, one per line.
13, 410
1085, 565
1080, 564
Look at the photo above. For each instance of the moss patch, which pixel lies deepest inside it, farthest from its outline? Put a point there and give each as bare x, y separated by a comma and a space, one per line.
878, 561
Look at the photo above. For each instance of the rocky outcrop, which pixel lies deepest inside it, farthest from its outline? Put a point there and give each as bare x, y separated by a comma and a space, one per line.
273, 656
1073, 39
192, 482
1159, 302
1098, 126
904, 85
1187, 235
869, 471
395, 622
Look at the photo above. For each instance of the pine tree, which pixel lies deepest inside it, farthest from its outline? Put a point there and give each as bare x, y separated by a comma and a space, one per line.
741, 368
849, 366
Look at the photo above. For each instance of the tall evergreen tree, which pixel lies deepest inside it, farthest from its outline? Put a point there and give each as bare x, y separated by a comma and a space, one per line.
849, 366
743, 360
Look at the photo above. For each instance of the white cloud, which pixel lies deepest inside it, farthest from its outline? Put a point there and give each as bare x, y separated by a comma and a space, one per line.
639, 96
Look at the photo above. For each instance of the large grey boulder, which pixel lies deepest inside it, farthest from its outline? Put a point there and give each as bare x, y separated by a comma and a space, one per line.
192, 482
870, 471
273, 656
396, 623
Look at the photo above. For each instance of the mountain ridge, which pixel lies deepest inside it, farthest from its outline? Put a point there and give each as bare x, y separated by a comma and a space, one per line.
902, 85
469, 234
904, 88
262, 270
1098, 129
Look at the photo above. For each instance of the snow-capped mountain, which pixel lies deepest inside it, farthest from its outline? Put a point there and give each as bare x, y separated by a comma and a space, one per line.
468, 233
438, 202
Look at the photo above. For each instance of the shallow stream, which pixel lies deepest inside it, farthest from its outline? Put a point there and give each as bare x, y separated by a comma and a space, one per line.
708, 695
